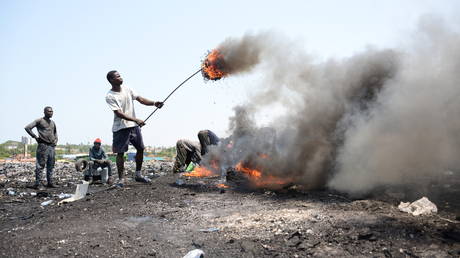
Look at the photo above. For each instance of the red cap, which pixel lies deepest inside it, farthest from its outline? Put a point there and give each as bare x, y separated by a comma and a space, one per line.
97, 140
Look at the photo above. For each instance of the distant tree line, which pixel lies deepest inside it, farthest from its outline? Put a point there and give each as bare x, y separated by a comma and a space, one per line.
167, 152
11, 149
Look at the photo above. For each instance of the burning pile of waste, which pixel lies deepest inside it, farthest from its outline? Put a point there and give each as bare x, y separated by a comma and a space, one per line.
239, 164
378, 118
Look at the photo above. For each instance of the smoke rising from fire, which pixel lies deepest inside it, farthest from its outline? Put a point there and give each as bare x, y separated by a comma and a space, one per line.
381, 117
241, 55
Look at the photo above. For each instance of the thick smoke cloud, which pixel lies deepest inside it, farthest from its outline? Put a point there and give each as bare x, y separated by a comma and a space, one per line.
381, 117
411, 135
243, 54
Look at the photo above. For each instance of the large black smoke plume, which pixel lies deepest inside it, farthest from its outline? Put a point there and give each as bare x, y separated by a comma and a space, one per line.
381, 117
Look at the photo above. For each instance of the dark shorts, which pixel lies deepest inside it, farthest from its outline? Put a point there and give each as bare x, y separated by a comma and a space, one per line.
122, 138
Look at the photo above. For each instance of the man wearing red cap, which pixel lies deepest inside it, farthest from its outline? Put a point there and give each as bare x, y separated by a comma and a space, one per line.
99, 159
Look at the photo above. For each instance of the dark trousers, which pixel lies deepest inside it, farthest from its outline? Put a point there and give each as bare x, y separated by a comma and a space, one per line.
103, 164
45, 157
187, 152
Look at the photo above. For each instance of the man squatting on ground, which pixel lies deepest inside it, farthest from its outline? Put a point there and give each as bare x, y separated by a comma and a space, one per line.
47, 139
189, 151
98, 159
126, 127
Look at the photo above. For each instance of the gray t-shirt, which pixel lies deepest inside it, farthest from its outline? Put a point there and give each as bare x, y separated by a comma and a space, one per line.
124, 101
47, 132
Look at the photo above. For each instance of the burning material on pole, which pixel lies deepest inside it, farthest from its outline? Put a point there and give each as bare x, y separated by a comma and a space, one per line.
213, 66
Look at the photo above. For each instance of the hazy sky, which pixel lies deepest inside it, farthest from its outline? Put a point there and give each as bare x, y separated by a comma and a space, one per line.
57, 53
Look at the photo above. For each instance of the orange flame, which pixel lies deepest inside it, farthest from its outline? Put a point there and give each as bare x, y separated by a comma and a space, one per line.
215, 164
258, 179
251, 172
222, 186
200, 172
212, 66
263, 156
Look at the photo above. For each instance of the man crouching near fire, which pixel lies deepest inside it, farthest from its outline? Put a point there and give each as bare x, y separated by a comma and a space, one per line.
126, 127
189, 151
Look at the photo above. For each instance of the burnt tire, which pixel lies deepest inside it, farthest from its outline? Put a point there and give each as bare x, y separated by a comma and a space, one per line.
81, 165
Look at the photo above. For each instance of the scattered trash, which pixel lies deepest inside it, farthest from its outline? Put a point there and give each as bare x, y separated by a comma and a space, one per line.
80, 193
42, 194
422, 206
11, 193
180, 182
207, 230
45, 203
64, 172
196, 253
64, 195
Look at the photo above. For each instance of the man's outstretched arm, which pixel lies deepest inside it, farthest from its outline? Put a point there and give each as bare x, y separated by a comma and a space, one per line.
148, 102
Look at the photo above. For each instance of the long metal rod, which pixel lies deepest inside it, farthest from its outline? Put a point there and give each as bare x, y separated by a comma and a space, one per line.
173, 92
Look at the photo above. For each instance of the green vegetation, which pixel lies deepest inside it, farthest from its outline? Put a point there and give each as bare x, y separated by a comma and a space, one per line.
13, 149
167, 152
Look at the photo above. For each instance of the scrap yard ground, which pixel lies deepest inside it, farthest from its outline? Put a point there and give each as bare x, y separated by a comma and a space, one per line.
164, 219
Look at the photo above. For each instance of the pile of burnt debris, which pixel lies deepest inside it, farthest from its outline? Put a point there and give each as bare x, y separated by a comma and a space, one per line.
65, 174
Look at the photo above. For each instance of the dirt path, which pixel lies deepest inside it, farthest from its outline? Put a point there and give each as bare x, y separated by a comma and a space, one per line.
167, 220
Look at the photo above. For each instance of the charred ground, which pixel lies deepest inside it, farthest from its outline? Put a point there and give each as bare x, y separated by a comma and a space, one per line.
165, 219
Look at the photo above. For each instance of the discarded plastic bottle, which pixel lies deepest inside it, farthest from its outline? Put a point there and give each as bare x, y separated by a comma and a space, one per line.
190, 167
46, 202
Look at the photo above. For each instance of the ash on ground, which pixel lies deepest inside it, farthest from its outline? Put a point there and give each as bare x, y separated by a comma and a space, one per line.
167, 219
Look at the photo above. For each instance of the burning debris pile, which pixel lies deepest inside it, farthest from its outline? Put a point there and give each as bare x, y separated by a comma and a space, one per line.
381, 117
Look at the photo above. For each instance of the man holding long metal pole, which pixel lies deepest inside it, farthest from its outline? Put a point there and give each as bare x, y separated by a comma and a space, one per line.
126, 127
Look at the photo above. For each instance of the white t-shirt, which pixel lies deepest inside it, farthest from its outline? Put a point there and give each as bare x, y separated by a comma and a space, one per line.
124, 101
